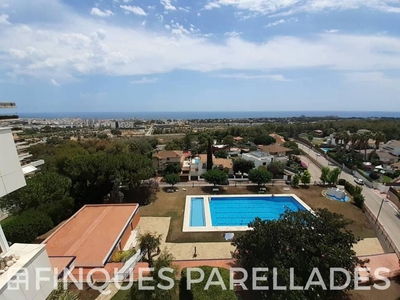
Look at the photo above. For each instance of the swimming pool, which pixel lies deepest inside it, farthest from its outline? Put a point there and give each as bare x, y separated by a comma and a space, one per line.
325, 149
240, 211
235, 212
197, 212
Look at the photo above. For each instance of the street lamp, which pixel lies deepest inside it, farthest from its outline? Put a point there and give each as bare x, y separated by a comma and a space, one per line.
380, 208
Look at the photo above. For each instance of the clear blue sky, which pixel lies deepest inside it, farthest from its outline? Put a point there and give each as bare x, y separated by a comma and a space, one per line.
181, 55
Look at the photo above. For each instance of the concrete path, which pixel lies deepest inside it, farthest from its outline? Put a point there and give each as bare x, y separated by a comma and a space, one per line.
185, 251
110, 288
389, 217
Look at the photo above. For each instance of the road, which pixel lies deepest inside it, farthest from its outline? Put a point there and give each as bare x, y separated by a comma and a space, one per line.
150, 131
389, 216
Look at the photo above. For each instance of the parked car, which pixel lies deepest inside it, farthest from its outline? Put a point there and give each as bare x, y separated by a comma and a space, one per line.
359, 181
318, 154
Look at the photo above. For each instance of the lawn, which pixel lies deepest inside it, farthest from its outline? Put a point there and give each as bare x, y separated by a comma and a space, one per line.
385, 179
173, 205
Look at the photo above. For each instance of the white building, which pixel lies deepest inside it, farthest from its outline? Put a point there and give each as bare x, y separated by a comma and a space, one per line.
25, 269
392, 147
259, 158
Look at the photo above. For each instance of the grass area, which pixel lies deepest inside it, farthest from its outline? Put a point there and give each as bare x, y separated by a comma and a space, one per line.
173, 205
122, 295
385, 178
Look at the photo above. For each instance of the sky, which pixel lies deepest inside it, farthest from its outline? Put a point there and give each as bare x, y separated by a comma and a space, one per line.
212, 55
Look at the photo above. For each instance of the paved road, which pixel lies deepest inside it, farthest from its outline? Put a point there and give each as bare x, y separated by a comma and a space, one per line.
389, 216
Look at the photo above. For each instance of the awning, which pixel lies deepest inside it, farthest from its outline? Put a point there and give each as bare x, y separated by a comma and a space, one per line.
28, 169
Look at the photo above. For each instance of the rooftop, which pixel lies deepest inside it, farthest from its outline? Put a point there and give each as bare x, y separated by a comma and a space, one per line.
168, 154
383, 154
274, 148
393, 143
91, 233
260, 154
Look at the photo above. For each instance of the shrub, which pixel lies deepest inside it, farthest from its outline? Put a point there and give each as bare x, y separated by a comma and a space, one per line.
25, 228
60, 210
123, 256
359, 200
197, 291
373, 176
349, 188
342, 181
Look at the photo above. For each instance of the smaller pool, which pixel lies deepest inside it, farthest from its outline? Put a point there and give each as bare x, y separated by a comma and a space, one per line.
325, 149
197, 212
345, 199
196, 160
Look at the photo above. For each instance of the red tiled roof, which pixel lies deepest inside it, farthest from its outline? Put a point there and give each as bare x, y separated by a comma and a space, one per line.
91, 233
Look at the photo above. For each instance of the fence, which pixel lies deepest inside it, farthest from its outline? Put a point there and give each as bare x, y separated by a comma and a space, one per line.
381, 232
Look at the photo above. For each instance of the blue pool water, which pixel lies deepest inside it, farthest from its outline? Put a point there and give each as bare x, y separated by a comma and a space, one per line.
197, 212
325, 149
346, 199
240, 211
196, 160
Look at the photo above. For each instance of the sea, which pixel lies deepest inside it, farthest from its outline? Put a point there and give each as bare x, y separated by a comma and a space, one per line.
180, 115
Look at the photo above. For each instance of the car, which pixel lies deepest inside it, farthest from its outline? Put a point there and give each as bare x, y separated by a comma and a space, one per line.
359, 181
318, 154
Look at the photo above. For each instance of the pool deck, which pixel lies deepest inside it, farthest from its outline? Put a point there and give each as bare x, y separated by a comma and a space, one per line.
207, 212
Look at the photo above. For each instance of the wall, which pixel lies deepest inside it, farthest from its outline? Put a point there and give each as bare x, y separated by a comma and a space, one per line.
29, 290
11, 176
393, 196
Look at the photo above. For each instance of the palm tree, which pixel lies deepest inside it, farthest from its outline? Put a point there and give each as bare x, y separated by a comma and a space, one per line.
346, 140
354, 137
150, 243
365, 138
379, 138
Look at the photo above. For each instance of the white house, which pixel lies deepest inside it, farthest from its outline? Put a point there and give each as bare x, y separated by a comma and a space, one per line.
25, 270
198, 165
392, 147
259, 158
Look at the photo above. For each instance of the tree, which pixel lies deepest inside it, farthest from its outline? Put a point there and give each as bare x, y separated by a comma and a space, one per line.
333, 176
172, 179
242, 165
209, 155
116, 196
228, 140
310, 137
276, 168
26, 227
379, 138
62, 294
324, 174
164, 261
221, 154
198, 291
260, 176
187, 141
116, 132
146, 192
296, 180
303, 241
215, 176
305, 177
264, 139
172, 168
41, 189
150, 242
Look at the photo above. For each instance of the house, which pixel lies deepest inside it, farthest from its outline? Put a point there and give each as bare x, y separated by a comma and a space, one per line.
259, 158
386, 157
23, 260
396, 166
392, 147
275, 150
198, 165
91, 237
162, 158
238, 139
280, 140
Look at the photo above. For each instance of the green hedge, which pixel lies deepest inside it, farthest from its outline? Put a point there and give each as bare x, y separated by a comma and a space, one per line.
342, 181
214, 292
355, 191
359, 200
26, 227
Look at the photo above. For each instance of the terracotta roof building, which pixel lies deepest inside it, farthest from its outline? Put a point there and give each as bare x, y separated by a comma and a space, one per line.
280, 140
162, 158
94, 234
275, 149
